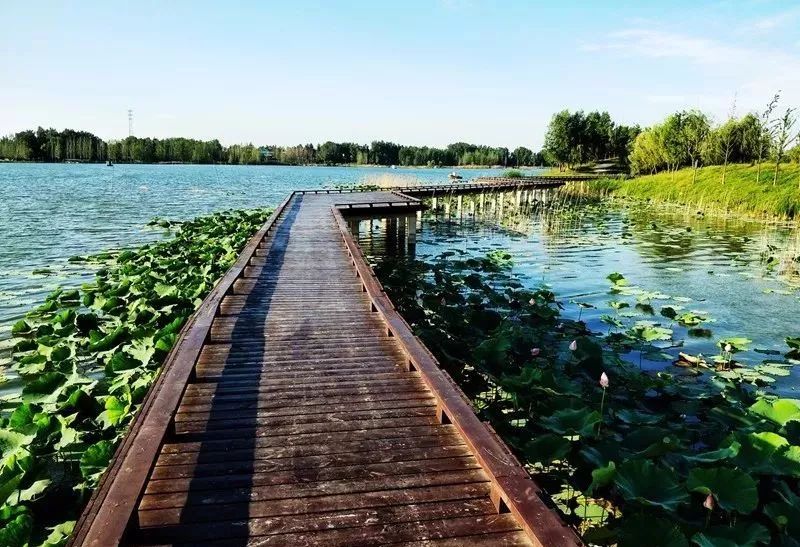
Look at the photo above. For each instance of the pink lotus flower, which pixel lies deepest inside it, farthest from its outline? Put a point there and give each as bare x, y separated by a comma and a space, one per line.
532, 301
535, 351
573, 346
709, 502
604, 380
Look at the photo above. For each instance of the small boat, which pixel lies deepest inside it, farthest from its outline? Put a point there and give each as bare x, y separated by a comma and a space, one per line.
454, 176
109, 164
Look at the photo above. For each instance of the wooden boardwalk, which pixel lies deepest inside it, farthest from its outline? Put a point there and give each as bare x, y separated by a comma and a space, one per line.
298, 409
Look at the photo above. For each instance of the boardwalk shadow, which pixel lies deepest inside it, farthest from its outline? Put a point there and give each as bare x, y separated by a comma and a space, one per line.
222, 487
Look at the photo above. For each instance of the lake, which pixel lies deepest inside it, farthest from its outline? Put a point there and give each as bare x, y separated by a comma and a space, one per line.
51, 212
719, 269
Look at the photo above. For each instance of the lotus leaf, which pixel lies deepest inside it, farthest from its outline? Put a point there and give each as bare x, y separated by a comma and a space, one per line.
726, 453
601, 477
16, 529
581, 421
641, 530
547, 448
650, 484
779, 411
734, 490
743, 534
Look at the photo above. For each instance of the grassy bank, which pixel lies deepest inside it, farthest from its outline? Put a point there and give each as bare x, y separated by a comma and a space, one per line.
740, 193
86, 358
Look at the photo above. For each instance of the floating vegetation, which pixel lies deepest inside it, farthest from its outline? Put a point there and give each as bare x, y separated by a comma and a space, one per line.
703, 453
86, 358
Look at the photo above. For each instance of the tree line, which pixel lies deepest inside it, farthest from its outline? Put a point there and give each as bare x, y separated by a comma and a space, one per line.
689, 138
52, 145
49, 145
576, 138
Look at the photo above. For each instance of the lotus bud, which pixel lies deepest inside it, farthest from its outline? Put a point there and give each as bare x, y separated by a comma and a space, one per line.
535, 351
728, 348
443, 301
604, 380
532, 301
709, 503
573, 346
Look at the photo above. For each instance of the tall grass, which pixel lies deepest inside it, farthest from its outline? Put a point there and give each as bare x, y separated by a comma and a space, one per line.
740, 193
390, 180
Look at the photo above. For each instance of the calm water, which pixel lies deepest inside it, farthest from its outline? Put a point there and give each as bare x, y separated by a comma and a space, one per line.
53, 211
700, 264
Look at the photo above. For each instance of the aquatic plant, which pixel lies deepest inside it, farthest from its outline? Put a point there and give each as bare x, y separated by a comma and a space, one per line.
513, 174
669, 440
86, 358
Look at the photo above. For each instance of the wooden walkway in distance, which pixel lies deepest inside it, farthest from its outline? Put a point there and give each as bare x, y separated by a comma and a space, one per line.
298, 409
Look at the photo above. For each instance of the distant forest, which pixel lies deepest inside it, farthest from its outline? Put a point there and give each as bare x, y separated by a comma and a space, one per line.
49, 145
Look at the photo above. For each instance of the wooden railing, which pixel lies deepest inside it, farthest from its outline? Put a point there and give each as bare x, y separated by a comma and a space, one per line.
512, 488
112, 507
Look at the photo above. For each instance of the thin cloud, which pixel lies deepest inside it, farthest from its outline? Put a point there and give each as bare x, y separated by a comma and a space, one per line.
772, 22
755, 73
660, 45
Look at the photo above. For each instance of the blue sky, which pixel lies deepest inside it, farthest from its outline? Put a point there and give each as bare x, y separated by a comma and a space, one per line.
417, 72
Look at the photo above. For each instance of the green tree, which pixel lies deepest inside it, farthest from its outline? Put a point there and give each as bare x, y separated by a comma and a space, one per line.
785, 135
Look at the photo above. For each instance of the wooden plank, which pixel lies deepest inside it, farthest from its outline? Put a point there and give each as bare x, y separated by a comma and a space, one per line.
501, 539
251, 479
219, 429
308, 490
265, 438
283, 377
311, 411
321, 504
249, 407
300, 451
383, 534
219, 397
310, 462
320, 522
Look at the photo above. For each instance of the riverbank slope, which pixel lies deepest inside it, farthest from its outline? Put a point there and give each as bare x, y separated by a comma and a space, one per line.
740, 192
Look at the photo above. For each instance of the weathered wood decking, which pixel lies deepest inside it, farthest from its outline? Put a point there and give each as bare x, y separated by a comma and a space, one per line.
298, 409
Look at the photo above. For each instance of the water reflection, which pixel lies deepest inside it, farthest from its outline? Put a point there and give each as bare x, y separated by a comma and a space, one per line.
391, 235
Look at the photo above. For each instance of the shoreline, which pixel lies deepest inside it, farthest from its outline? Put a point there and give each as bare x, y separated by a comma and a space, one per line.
280, 164
704, 190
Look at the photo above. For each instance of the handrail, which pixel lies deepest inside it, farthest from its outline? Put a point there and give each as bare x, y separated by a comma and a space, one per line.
540, 178
404, 191
512, 487
380, 204
105, 519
